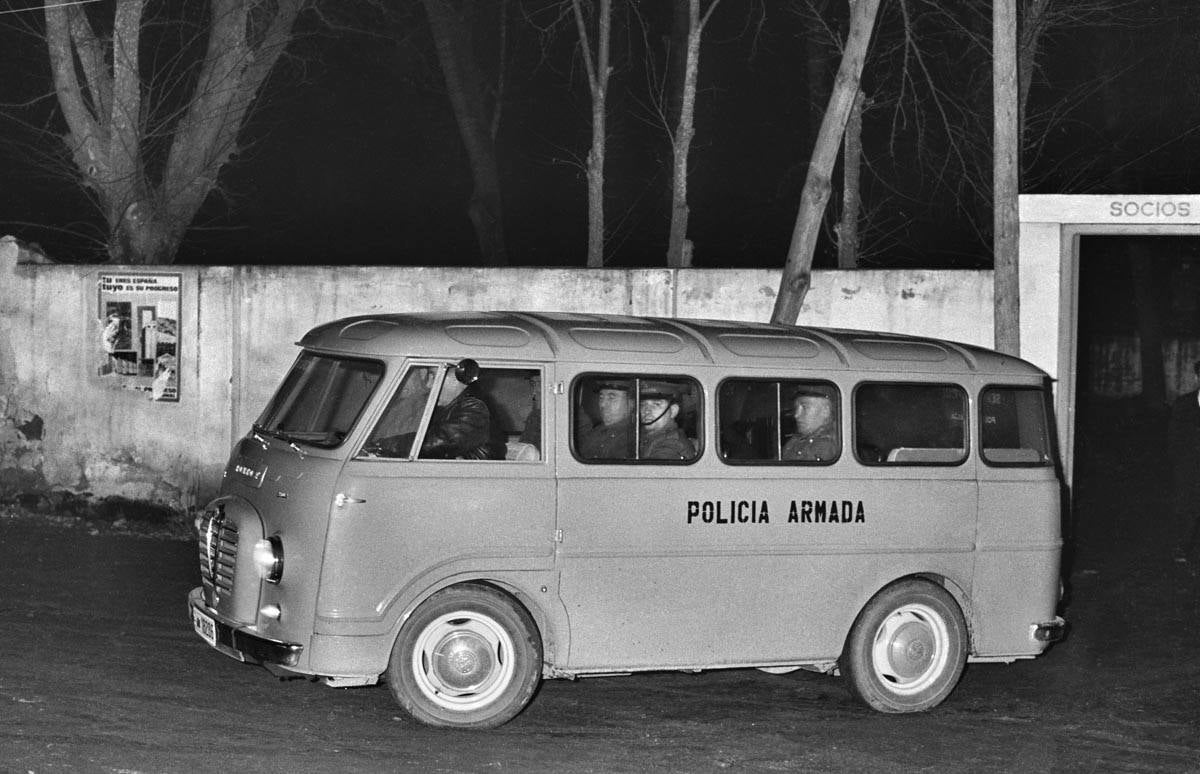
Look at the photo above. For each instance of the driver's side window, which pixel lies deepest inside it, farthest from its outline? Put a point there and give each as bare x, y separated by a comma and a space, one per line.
394, 433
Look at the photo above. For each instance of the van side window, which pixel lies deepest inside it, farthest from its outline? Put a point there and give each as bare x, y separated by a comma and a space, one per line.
1013, 427
910, 424
636, 418
496, 417
786, 421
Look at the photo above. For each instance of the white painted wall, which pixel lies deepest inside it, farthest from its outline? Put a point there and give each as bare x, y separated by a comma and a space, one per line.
238, 327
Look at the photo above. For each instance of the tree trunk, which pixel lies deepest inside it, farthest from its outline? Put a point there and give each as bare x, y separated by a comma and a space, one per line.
847, 229
595, 183
464, 84
145, 234
677, 61
597, 72
679, 254
797, 272
1005, 178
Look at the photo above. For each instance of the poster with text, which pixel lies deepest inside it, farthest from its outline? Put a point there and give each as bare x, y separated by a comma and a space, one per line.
139, 339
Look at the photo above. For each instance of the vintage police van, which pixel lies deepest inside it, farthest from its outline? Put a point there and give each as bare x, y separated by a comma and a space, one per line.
639, 494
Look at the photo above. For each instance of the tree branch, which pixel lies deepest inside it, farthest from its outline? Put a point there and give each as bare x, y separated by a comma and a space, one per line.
91, 58
80, 121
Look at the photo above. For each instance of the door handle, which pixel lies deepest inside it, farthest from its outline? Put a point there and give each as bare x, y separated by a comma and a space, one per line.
342, 500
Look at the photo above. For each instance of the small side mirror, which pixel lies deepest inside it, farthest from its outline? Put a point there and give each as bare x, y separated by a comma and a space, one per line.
467, 371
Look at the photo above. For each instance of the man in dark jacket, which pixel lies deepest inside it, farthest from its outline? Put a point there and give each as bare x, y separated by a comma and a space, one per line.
461, 425
1183, 447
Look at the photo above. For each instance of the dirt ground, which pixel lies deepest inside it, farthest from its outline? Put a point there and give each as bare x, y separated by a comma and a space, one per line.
100, 672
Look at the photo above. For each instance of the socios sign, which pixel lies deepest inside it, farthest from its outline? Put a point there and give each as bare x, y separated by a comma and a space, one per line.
1138, 209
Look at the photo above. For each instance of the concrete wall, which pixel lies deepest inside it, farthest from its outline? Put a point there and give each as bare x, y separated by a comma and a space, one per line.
238, 325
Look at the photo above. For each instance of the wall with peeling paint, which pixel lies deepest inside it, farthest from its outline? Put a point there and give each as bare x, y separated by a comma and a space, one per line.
238, 327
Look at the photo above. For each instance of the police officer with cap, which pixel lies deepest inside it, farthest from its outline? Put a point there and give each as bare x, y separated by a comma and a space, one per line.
815, 439
612, 438
660, 438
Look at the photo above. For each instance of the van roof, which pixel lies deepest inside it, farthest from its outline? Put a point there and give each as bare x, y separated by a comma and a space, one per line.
661, 341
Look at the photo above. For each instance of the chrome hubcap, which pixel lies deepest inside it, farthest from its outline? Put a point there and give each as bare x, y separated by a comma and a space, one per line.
911, 649
463, 660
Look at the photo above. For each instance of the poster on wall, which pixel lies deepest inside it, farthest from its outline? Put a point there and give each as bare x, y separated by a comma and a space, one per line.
139, 339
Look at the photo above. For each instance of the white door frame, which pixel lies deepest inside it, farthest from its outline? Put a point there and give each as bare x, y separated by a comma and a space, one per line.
1048, 264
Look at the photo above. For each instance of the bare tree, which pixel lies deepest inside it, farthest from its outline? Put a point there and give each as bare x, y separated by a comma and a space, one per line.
797, 272
150, 152
595, 49
450, 22
679, 253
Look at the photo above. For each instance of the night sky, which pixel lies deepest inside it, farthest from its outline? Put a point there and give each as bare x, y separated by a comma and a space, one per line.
353, 155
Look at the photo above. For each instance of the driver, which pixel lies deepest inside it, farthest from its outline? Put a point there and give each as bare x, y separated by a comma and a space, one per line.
461, 425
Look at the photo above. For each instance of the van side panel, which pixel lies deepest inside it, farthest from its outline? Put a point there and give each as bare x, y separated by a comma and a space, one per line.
707, 565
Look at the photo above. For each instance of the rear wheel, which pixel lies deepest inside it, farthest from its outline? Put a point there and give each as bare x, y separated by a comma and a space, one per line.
906, 651
469, 657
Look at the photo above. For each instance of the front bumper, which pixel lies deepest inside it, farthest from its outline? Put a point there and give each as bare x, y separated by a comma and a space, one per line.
236, 642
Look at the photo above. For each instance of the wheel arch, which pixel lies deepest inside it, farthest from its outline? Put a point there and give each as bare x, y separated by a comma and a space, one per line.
955, 590
546, 627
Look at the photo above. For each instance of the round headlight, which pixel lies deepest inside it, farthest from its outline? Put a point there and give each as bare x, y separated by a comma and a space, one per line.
268, 558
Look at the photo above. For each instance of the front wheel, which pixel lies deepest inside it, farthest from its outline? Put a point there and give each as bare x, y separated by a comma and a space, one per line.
469, 657
907, 649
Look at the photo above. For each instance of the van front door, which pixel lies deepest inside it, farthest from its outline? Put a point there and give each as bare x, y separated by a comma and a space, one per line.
403, 523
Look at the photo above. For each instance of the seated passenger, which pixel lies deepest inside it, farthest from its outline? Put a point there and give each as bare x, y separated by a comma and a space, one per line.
815, 439
661, 437
612, 438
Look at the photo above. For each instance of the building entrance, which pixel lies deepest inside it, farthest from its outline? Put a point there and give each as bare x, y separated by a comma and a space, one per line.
1051, 229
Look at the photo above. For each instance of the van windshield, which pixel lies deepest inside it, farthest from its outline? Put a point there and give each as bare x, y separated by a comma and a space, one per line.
320, 399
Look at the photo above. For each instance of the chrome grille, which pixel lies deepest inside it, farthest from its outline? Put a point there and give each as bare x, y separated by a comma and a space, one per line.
218, 553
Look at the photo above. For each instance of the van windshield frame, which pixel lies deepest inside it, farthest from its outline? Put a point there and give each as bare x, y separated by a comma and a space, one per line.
321, 399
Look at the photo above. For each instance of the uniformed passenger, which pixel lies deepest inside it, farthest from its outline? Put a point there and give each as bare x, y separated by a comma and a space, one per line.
612, 438
815, 439
660, 437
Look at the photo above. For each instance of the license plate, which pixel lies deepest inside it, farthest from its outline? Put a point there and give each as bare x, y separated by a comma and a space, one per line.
205, 626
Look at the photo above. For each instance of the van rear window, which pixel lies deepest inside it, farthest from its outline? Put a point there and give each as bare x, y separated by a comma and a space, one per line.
1014, 428
320, 399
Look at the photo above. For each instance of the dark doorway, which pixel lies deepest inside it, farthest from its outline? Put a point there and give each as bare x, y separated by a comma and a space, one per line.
1138, 334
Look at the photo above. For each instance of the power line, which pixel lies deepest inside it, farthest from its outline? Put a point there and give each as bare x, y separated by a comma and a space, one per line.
40, 7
